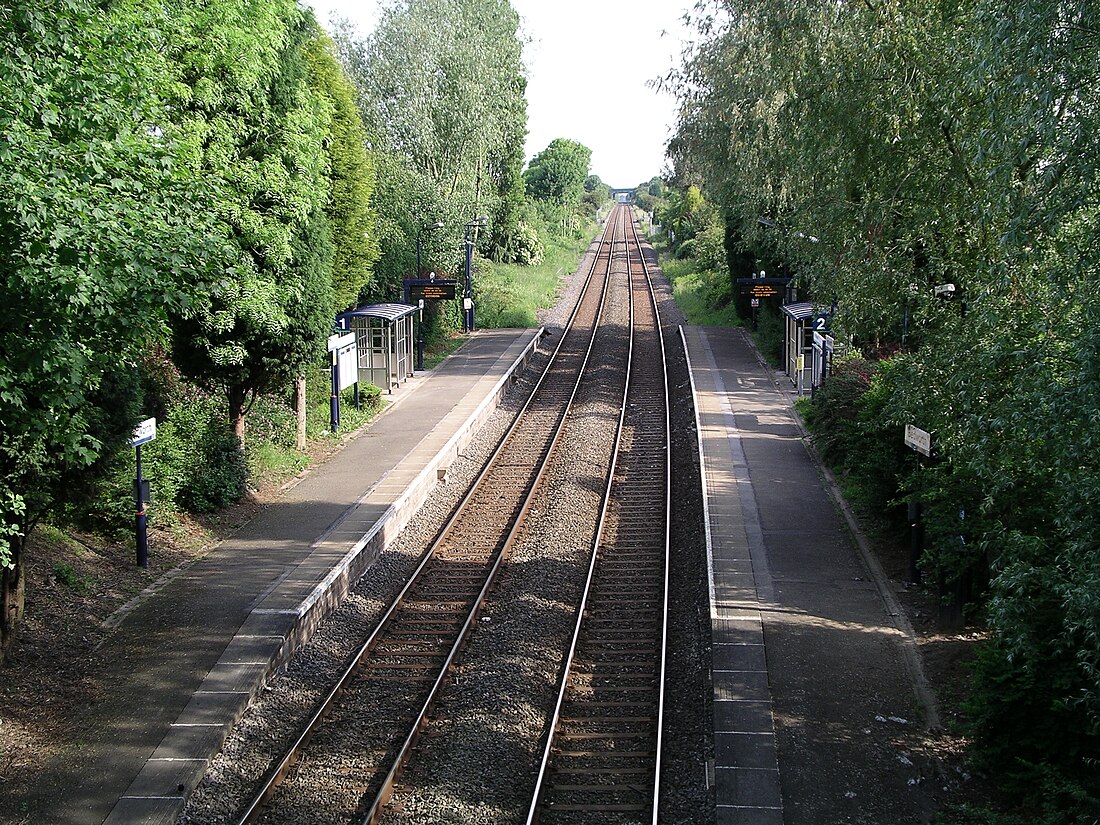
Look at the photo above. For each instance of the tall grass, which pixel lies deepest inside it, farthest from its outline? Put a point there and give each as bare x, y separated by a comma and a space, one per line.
509, 295
702, 294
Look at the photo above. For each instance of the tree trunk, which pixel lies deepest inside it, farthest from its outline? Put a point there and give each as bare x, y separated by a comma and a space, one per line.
237, 395
12, 583
300, 411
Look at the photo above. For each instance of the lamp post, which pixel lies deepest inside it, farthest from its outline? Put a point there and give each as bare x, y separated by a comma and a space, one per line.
468, 294
420, 318
789, 289
430, 227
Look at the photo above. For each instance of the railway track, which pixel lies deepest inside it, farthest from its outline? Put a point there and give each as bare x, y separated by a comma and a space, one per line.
602, 761
349, 755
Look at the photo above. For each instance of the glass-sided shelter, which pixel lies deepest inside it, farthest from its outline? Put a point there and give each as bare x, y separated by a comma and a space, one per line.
384, 340
798, 344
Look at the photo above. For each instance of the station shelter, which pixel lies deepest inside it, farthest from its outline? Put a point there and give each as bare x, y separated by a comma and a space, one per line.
384, 342
808, 347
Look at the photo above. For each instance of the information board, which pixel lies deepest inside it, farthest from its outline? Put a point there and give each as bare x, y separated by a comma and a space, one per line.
762, 287
439, 289
346, 358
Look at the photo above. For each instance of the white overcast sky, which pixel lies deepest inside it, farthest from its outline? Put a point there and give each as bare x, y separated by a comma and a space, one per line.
588, 64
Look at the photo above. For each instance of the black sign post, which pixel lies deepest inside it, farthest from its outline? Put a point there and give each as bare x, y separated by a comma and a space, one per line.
145, 432
920, 442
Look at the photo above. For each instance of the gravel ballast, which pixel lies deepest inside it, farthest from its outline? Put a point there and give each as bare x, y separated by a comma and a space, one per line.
475, 764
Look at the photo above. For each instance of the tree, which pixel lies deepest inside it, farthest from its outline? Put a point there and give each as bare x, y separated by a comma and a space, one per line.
100, 231
351, 177
596, 193
927, 144
557, 174
682, 213
441, 83
257, 133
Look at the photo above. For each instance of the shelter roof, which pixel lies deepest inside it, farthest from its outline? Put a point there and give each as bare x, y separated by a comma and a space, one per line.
388, 312
800, 311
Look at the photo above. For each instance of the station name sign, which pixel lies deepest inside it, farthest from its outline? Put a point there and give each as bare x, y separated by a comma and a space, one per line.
145, 432
762, 287
436, 289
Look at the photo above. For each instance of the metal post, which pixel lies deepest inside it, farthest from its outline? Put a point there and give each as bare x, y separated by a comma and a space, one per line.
334, 399
140, 527
467, 308
916, 538
469, 322
420, 337
420, 334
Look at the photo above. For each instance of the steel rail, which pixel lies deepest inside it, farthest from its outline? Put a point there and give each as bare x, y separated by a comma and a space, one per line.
410, 741
599, 550
583, 602
282, 768
668, 529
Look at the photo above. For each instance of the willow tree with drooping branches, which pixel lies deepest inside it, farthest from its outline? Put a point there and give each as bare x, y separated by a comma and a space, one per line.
920, 145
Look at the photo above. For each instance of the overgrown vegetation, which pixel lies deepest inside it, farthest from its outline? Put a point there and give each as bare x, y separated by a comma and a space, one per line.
189, 193
887, 155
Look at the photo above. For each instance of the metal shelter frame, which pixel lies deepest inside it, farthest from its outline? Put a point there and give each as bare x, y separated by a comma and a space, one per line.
798, 344
384, 340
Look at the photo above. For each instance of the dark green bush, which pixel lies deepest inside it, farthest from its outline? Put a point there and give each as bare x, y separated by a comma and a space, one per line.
717, 288
834, 414
271, 419
853, 423
686, 249
195, 462
218, 473
1031, 718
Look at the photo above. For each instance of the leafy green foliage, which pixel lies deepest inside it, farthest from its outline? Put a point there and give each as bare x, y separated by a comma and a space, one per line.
351, 176
510, 295
558, 173
441, 84
64, 573
258, 136
703, 294
923, 144
99, 233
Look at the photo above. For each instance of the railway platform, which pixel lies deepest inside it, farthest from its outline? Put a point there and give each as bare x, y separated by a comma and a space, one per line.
817, 688
188, 658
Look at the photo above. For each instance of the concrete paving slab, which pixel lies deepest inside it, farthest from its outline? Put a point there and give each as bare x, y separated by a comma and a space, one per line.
833, 658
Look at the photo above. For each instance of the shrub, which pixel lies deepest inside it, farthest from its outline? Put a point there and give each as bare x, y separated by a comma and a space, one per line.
834, 414
218, 473
853, 423
1031, 718
196, 461
686, 249
527, 248
710, 249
